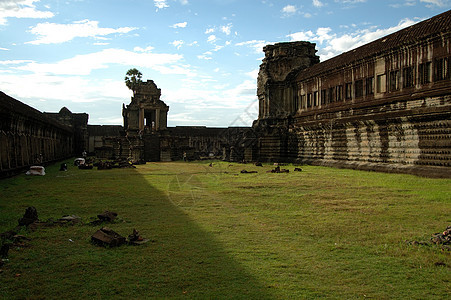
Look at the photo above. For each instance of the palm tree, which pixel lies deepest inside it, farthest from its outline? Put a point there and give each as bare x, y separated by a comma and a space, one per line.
133, 79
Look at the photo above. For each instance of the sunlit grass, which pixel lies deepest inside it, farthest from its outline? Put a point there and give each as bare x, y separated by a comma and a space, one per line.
217, 233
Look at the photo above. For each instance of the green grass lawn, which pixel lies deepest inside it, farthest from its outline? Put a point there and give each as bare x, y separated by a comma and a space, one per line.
217, 233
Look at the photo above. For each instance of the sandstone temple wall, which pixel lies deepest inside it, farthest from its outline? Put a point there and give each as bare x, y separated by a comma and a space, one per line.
28, 137
383, 106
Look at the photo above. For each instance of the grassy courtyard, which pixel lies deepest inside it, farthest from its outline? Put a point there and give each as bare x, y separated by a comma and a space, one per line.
217, 233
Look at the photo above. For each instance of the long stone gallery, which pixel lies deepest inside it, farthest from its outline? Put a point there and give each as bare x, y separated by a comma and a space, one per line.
384, 106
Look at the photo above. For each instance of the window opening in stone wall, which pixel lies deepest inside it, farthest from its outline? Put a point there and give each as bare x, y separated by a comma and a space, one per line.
315, 99
407, 77
303, 104
348, 91
380, 83
359, 88
330, 95
441, 69
369, 86
309, 100
296, 103
339, 93
424, 72
394, 81
323, 97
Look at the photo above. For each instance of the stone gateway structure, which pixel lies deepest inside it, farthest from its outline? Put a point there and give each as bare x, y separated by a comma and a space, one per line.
384, 106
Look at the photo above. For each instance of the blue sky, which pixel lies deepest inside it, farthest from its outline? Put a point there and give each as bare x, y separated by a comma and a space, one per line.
203, 54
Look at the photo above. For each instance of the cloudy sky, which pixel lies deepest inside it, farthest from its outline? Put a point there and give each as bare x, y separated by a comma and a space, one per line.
203, 54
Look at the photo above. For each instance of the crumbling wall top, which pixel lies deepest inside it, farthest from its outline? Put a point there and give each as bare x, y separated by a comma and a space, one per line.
289, 49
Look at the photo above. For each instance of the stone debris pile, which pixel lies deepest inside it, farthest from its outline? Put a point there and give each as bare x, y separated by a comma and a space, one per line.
443, 238
277, 169
109, 238
36, 170
104, 236
30, 216
248, 172
107, 216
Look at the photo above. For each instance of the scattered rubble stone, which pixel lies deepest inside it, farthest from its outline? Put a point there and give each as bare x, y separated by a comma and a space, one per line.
248, 172
30, 216
85, 167
278, 170
40, 224
107, 237
107, 216
416, 243
104, 165
8, 235
297, 169
442, 238
63, 167
36, 170
136, 239
258, 164
79, 161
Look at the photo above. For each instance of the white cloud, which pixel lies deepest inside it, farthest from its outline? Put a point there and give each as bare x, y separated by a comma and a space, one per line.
302, 36
350, 1
205, 55
84, 64
177, 43
212, 38
184, 2
333, 44
21, 9
439, 3
322, 34
74, 88
226, 29
160, 4
147, 49
317, 3
257, 45
14, 62
53, 33
289, 10
253, 74
209, 30
179, 25
406, 3
4, 49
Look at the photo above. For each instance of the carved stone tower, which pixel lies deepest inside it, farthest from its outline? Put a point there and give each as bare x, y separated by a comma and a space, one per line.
146, 114
276, 89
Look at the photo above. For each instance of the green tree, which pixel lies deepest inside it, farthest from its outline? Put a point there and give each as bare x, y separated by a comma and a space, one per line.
133, 79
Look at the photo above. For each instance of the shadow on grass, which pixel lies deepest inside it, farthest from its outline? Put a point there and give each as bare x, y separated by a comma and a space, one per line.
189, 259
181, 259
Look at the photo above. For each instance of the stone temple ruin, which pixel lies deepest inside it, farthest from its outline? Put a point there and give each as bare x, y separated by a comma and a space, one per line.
384, 106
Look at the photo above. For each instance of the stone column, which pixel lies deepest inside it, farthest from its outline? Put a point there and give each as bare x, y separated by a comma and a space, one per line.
157, 119
141, 119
